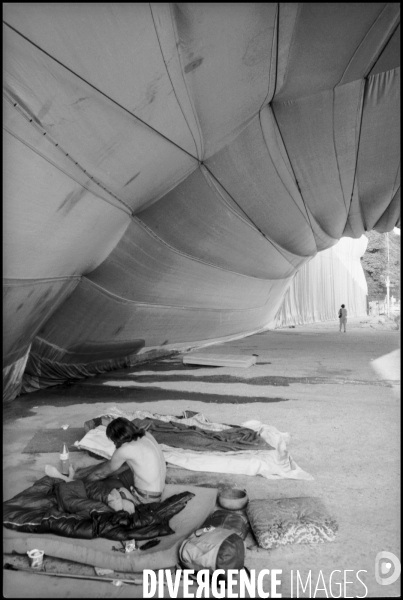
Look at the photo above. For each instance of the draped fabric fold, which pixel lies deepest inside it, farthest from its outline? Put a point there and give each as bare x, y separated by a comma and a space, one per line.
332, 278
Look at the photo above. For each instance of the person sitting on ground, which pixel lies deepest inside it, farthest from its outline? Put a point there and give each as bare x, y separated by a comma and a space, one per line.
343, 317
137, 449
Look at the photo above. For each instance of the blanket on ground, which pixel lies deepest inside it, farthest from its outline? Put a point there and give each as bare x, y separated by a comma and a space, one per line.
192, 437
77, 509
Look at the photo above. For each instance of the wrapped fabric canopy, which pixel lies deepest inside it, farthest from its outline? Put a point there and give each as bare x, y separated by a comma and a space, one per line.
169, 168
332, 278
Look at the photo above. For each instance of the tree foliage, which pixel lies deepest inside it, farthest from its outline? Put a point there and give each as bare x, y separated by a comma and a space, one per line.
376, 266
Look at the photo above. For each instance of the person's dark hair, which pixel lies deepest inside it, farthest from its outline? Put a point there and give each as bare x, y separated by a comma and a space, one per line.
121, 430
342, 305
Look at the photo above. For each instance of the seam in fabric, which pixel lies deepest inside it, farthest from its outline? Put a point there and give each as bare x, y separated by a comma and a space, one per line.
360, 113
384, 48
248, 221
274, 43
335, 150
280, 178
292, 42
169, 75
362, 42
295, 177
28, 281
272, 243
186, 87
394, 189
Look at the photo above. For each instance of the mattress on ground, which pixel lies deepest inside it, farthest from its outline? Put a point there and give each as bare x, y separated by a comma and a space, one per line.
98, 552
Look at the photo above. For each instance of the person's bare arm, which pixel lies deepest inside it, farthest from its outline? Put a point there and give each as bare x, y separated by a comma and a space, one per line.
115, 465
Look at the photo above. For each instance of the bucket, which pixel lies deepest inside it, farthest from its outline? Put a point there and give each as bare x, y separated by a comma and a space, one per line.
35, 558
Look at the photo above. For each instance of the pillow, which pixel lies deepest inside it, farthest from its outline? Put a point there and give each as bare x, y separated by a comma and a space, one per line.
96, 441
290, 521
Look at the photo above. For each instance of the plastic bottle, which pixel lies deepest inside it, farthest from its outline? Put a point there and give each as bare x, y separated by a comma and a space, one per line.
64, 460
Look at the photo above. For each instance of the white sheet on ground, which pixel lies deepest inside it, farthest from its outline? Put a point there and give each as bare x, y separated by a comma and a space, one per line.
271, 464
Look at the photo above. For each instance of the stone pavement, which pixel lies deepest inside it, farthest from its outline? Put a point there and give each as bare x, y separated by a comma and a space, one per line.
338, 395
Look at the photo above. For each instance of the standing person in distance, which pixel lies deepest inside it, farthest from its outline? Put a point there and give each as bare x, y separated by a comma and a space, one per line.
343, 317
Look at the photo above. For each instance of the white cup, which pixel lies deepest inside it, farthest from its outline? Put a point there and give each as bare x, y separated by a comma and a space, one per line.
36, 558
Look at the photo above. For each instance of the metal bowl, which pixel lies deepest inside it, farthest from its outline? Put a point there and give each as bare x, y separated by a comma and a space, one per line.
233, 499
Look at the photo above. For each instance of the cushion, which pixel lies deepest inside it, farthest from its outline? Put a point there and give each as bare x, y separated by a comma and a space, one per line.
290, 521
95, 440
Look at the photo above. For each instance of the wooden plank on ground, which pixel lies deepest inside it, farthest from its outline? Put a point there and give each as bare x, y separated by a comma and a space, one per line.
219, 360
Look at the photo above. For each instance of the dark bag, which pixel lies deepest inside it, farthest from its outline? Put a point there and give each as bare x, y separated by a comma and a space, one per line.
218, 544
229, 519
212, 548
340, 313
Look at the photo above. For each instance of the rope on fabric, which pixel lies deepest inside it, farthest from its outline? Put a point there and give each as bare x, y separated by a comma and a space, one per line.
98, 90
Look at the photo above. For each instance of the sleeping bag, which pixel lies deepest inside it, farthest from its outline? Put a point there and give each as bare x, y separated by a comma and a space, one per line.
78, 509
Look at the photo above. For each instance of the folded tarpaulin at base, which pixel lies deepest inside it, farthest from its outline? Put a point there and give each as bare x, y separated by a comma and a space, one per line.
48, 365
75, 509
98, 551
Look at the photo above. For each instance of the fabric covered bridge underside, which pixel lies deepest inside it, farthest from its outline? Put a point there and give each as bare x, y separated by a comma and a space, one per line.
169, 168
